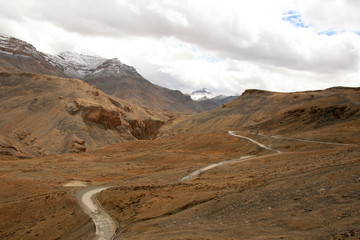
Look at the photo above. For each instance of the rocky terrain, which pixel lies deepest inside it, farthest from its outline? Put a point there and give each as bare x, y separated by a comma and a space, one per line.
309, 191
44, 114
330, 114
290, 169
19, 56
109, 75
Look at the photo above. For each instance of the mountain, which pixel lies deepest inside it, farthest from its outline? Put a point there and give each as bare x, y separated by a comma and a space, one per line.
123, 81
80, 66
204, 96
201, 95
19, 56
333, 114
222, 99
109, 75
43, 114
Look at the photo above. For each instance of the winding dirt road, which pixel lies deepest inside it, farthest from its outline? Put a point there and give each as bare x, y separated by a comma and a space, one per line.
237, 160
307, 140
253, 141
106, 226
204, 169
247, 158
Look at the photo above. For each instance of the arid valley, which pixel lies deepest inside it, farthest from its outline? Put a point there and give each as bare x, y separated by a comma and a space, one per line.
89, 149
310, 190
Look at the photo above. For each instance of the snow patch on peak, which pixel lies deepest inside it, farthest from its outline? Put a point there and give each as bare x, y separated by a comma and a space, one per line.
71, 64
4, 36
80, 59
80, 66
13, 46
4, 44
201, 95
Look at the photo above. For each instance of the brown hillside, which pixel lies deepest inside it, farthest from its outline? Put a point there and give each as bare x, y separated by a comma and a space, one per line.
137, 90
47, 114
334, 111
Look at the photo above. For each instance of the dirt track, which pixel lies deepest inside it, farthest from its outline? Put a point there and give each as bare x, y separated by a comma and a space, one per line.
310, 190
106, 226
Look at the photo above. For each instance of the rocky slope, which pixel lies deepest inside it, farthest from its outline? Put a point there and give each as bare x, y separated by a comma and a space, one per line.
310, 189
336, 110
221, 99
20, 56
44, 114
109, 75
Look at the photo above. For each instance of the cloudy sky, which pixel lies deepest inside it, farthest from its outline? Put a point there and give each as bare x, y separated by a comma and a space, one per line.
223, 45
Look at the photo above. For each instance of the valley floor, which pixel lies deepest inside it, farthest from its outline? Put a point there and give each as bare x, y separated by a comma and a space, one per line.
310, 191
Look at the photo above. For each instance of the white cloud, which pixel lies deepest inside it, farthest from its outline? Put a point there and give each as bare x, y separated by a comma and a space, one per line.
224, 45
339, 15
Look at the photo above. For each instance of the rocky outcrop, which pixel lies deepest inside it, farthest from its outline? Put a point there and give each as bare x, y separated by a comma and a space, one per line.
321, 114
47, 115
146, 129
255, 92
77, 145
9, 148
332, 112
112, 119
97, 114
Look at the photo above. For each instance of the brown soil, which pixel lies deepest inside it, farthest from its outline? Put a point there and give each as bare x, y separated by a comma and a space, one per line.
309, 192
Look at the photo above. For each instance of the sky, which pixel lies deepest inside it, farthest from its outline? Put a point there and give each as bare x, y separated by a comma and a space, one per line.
226, 46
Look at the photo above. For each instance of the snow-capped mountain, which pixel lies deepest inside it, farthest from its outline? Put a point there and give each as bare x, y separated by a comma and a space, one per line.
80, 66
12, 46
70, 64
109, 75
201, 95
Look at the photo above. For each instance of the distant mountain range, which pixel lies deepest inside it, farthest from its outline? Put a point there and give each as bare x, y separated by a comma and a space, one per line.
203, 95
109, 75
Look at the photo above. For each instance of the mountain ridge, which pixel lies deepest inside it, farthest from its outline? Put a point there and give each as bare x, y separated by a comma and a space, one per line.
109, 75
333, 113
204, 96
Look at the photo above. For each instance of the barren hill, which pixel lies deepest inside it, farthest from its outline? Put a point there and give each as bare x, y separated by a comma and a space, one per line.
196, 182
46, 114
306, 190
334, 111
